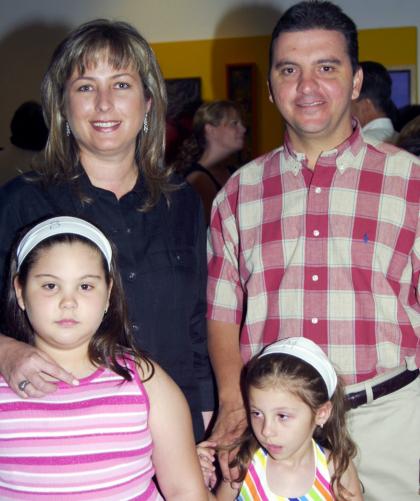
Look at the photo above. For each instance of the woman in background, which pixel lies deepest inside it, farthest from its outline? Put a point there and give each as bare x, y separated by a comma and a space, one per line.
205, 157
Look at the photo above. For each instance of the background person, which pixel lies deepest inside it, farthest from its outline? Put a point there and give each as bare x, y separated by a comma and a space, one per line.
320, 238
205, 158
29, 136
104, 101
409, 137
406, 114
374, 107
126, 420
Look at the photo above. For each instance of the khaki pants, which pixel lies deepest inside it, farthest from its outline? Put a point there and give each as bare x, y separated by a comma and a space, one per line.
387, 434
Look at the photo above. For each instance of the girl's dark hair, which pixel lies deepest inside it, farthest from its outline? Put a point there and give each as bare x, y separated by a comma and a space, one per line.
208, 113
301, 379
112, 342
123, 45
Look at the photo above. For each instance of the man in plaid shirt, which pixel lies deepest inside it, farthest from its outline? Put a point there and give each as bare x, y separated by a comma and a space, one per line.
321, 238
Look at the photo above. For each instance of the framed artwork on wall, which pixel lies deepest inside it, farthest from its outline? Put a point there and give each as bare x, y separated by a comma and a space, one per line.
240, 83
184, 94
184, 97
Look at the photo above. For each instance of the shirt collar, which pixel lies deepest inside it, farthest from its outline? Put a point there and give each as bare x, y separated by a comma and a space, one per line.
348, 154
87, 187
380, 123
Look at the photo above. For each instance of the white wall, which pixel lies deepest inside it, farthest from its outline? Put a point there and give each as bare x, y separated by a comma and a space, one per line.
29, 29
170, 20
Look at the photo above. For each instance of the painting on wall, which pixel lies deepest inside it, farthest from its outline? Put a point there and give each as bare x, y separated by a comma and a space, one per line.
184, 94
184, 97
240, 82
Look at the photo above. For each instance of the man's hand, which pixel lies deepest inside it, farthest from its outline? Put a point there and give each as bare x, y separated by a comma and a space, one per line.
22, 362
230, 424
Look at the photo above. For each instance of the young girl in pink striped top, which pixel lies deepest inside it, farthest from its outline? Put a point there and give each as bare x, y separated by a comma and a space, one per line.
125, 421
296, 446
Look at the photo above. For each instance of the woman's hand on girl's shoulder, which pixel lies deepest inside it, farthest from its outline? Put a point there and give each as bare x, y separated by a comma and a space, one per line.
21, 362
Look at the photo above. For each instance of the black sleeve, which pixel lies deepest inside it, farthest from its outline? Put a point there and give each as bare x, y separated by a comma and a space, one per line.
198, 325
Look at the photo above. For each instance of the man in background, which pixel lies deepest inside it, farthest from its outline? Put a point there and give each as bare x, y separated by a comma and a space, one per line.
374, 107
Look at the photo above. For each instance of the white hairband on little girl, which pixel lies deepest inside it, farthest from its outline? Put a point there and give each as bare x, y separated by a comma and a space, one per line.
58, 226
309, 352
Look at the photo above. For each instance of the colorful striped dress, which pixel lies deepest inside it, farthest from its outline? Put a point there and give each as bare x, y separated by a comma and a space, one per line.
89, 442
255, 486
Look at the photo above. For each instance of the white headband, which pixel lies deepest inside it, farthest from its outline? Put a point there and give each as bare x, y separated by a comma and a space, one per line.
58, 226
309, 352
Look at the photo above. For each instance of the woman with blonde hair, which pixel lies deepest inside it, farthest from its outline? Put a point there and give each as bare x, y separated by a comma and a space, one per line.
218, 133
104, 101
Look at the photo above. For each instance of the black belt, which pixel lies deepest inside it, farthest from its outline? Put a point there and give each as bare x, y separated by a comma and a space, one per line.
353, 400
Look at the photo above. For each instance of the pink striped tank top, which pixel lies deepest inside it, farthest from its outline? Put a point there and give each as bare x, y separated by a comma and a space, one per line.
88, 442
255, 486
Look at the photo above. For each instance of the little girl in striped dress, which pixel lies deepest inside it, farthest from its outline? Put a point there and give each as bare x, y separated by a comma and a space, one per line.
296, 446
124, 420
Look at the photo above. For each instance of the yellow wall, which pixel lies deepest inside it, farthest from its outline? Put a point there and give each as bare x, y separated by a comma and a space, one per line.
389, 46
208, 59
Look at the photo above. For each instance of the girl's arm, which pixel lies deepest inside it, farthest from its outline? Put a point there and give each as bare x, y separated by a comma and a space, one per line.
225, 491
174, 456
350, 480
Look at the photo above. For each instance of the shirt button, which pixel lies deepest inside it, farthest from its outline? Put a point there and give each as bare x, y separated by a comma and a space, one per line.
132, 276
315, 278
318, 189
128, 230
314, 320
135, 327
315, 233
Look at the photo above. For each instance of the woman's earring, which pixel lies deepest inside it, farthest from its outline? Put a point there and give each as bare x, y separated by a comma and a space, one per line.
146, 124
68, 130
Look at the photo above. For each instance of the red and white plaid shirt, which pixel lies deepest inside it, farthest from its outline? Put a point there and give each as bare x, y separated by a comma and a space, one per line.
331, 254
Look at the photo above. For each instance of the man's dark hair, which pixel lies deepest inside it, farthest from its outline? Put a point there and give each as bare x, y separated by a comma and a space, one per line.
377, 86
318, 14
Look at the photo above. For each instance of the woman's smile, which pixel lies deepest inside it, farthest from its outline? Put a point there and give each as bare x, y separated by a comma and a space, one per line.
105, 108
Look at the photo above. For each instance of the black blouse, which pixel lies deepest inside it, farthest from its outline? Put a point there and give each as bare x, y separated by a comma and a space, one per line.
162, 261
